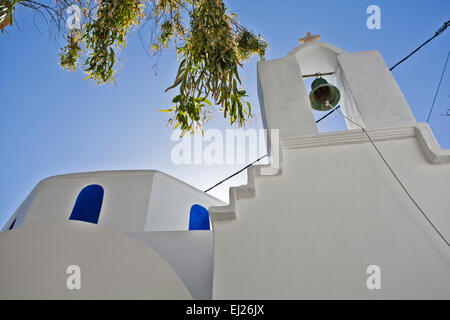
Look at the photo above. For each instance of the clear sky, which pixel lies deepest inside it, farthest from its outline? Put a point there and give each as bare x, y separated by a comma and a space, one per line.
52, 122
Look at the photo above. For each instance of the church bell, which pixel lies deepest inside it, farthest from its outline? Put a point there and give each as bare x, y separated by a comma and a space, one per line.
323, 96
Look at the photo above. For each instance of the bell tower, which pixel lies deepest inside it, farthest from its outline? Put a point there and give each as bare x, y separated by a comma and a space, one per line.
369, 95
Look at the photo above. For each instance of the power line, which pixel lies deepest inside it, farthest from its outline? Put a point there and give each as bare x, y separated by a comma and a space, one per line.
439, 86
259, 159
396, 177
237, 172
385, 162
441, 29
327, 114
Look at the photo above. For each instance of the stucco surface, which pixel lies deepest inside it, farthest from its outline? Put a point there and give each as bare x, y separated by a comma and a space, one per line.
312, 231
35, 257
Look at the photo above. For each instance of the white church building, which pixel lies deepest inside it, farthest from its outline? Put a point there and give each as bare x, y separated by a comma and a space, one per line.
338, 215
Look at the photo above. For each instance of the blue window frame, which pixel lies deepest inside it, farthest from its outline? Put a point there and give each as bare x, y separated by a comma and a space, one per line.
88, 204
199, 218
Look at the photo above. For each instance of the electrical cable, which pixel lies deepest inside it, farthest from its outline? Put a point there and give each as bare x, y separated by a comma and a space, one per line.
438, 87
237, 172
240, 170
396, 177
441, 29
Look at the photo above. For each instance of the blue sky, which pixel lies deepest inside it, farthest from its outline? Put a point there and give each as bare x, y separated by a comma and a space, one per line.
52, 122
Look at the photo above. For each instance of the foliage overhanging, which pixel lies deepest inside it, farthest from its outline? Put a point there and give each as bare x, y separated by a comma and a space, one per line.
211, 48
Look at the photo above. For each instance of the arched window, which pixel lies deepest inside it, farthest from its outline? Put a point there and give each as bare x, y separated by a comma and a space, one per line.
88, 204
12, 224
199, 218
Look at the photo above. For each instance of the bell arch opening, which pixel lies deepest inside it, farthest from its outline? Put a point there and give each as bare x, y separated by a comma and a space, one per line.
326, 123
319, 60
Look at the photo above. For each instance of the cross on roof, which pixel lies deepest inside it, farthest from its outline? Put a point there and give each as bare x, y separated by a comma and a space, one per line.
309, 38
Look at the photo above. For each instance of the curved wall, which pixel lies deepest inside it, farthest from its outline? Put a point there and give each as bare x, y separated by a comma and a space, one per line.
133, 201
35, 258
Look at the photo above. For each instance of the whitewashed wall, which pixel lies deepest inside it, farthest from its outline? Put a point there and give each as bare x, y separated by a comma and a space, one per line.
134, 201
35, 258
334, 208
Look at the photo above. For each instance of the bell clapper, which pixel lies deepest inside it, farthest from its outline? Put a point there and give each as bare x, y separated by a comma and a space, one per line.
323, 95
